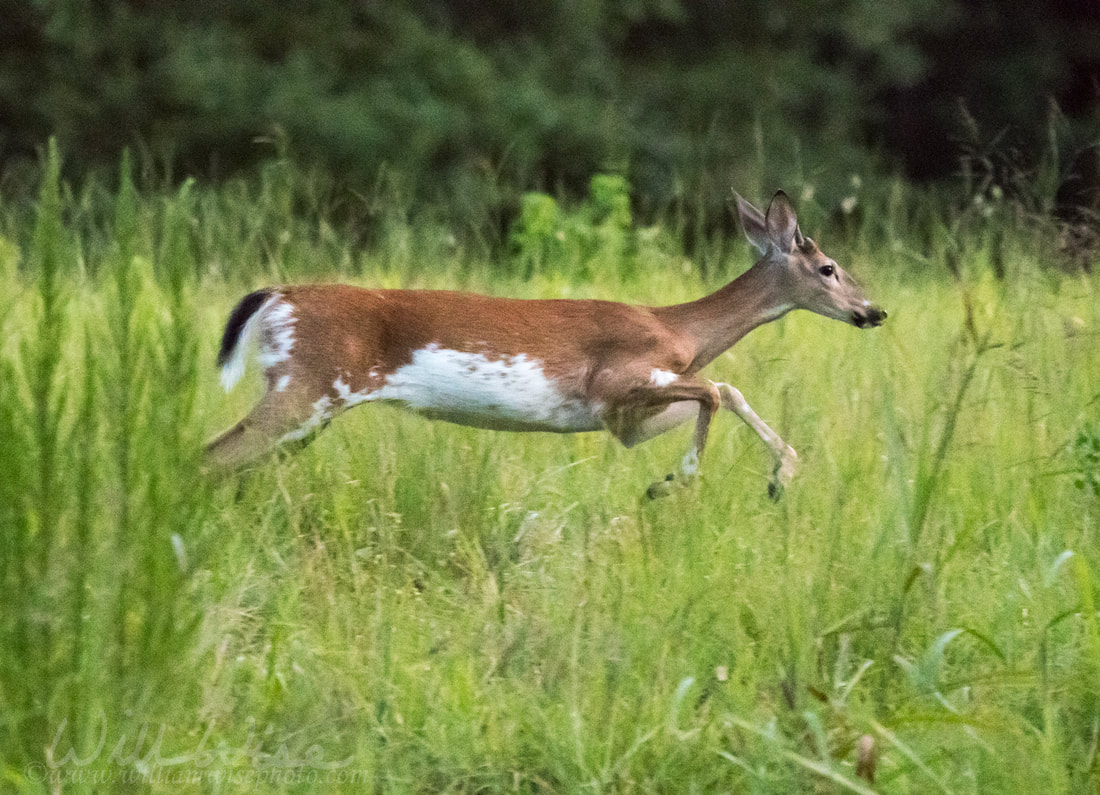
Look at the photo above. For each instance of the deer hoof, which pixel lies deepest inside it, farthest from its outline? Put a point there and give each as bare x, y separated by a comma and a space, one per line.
662, 488
785, 470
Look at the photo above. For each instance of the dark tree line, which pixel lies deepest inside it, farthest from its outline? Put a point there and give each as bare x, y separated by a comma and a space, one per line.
460, 96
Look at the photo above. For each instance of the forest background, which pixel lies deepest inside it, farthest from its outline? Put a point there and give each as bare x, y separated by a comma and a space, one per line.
469, 104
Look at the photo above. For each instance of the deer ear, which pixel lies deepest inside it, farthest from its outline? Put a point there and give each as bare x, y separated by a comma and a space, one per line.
752, 221
782, 223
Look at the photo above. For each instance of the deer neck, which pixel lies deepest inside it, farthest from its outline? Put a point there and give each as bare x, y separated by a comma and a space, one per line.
716, 322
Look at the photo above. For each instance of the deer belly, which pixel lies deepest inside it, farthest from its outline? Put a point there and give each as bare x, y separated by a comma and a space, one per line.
511, 393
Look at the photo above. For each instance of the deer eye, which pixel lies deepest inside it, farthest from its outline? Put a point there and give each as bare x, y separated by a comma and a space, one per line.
827, 271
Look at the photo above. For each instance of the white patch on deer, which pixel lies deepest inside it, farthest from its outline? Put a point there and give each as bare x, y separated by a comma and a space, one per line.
282, 383
776, 312
277, 339
347, 397
233, 370
511, 393
690, 463
323, 409
659, 377
343, 389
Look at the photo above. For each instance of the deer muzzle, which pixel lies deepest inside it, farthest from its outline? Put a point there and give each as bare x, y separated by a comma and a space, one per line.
868, 317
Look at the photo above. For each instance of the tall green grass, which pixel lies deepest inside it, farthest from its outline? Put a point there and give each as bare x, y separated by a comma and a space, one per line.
409, 606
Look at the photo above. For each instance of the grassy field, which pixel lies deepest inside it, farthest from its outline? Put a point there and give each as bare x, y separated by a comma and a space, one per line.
408, 606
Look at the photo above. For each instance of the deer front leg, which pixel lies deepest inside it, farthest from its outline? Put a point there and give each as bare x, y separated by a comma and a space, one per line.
786, 459
650, 411
689, 464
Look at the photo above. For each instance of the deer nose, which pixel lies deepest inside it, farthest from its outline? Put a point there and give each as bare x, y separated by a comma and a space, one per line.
869, 317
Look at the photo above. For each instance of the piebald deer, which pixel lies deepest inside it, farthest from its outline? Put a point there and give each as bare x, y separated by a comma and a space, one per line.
526, 365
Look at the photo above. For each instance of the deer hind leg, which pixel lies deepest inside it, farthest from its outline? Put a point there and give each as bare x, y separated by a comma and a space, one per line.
288, 420
786, 459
